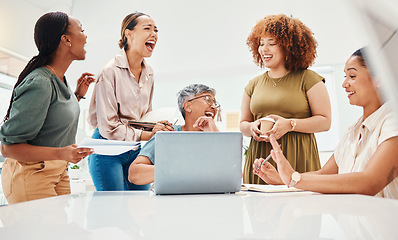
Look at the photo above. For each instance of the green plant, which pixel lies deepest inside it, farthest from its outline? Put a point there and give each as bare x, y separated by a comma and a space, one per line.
245, 148
75, 167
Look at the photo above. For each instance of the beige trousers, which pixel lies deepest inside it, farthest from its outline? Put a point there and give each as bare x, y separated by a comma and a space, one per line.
24, 181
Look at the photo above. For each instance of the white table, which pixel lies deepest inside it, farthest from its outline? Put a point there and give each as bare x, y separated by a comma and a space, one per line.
245, 215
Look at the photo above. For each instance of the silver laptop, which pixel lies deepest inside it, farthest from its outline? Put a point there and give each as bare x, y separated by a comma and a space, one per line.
198, 162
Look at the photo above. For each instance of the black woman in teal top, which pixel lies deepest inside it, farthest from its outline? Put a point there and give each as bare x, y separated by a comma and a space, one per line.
38, 132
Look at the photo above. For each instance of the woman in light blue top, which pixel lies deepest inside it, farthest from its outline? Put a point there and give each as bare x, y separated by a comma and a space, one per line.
198, 107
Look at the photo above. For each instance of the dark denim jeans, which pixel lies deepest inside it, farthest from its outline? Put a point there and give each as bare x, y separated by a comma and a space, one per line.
110, 173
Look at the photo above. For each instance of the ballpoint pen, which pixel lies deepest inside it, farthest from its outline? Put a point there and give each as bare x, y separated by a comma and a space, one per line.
171, 124
265, 160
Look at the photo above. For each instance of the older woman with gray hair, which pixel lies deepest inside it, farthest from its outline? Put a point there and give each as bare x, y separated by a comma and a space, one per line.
198, 108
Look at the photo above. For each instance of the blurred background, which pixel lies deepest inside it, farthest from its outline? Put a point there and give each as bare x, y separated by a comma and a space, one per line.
205, 42
199, 42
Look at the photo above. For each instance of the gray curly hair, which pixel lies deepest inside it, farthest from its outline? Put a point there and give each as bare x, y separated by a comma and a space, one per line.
191, 91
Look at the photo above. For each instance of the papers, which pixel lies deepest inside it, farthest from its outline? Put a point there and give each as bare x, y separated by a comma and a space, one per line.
148, 121
269, 188
108, 147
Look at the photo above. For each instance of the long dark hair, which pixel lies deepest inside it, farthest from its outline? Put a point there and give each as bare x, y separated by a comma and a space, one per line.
129, 22
48, 31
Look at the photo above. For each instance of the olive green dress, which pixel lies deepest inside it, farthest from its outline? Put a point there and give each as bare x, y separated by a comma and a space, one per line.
287, 99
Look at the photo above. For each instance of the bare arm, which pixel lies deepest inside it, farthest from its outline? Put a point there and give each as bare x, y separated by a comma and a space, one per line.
142, 171
318, 99
381, 169
248, 127
271, 176
320, 120
330, 167
24, 152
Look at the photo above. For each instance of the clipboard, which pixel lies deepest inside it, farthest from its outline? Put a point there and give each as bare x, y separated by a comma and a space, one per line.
148, 121
146, 126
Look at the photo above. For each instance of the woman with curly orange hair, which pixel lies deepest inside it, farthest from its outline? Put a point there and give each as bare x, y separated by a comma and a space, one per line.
295, 97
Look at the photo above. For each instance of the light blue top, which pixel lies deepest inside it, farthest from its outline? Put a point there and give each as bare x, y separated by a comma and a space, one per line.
148, 150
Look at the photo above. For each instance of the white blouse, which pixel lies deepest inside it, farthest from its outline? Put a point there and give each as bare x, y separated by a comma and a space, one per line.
361, 141
118, 97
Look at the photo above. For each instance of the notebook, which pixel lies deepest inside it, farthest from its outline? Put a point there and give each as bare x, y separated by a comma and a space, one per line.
198, 162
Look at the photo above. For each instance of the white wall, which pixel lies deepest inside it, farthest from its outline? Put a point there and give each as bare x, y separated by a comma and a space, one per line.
199, 41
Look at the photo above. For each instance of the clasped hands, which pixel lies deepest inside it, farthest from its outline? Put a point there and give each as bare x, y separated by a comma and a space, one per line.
280, 128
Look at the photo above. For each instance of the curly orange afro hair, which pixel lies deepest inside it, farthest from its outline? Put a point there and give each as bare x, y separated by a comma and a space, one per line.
295, 39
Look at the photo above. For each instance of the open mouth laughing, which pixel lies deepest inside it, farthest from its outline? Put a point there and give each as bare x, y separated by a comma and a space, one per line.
267, 57
350, 93
150, 45
209, 114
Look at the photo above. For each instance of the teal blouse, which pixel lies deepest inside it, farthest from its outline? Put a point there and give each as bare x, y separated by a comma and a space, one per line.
44, 112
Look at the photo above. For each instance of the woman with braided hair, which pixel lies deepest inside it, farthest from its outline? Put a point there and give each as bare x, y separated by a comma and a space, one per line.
39, 130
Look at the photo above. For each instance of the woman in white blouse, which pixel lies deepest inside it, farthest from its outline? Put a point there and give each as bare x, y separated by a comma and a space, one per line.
366, 159
123, 92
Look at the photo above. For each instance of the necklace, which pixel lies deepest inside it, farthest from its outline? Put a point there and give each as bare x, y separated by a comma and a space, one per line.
52, 70
276, 83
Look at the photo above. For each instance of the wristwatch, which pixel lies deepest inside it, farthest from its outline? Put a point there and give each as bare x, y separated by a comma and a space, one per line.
293, 124
296, 177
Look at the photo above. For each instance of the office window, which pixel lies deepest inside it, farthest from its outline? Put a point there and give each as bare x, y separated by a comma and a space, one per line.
6, 85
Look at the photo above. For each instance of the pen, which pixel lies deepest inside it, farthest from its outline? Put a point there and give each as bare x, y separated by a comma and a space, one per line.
172, 124
265, 160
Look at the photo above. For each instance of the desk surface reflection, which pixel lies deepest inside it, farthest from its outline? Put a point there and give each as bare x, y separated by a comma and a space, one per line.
245, 215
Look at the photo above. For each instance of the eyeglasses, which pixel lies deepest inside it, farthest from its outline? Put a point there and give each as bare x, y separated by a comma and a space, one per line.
208, 99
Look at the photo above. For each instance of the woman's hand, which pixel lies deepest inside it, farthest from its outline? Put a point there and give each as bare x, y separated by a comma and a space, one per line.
280, 128
74, 154
255, 131
163, 125
267, 172
206, 124
284, 168
83, 83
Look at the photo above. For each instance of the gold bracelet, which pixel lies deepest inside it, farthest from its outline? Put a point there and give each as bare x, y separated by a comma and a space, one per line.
293, 124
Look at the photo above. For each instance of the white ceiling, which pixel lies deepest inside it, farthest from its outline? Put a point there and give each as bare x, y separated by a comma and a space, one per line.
12, 63
51, 5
